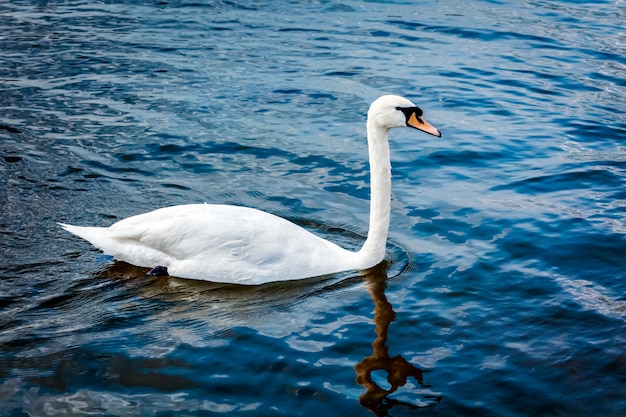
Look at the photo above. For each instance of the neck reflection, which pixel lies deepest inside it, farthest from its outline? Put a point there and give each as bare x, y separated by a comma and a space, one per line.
397, 368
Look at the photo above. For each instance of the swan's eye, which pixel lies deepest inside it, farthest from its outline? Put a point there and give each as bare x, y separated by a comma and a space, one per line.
409, 111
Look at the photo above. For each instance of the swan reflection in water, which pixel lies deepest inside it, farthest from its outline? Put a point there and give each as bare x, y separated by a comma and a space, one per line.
398, 369
250, 305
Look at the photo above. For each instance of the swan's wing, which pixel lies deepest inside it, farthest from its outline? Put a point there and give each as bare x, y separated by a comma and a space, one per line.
183, 232
175, 231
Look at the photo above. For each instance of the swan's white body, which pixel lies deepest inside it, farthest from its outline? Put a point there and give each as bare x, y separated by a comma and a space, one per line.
242, 245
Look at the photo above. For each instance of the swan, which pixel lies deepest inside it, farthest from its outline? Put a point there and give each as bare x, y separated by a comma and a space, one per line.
241, 245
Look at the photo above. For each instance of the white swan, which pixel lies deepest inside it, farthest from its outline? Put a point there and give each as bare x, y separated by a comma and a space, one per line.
241, 245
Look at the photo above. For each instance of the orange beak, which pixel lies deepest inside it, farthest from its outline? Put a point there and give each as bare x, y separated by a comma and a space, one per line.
421, 124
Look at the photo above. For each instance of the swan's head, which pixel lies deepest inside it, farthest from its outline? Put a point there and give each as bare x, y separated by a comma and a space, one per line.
395, 111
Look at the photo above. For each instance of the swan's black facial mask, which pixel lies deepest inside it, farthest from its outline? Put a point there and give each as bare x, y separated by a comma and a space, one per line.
414, 119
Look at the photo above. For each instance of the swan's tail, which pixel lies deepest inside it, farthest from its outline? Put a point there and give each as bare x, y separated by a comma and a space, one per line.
128, 250
94, 235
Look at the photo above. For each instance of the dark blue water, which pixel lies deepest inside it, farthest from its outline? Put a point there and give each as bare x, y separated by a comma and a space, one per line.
504, 290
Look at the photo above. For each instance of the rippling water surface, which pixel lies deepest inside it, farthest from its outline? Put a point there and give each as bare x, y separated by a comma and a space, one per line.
504, 288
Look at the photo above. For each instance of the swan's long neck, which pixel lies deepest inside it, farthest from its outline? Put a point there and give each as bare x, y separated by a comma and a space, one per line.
373, 251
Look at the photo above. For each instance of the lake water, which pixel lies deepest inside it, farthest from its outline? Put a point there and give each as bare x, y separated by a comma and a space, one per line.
504, 292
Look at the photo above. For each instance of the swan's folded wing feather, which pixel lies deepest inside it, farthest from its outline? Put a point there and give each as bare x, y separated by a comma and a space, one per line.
176, 231
184, 232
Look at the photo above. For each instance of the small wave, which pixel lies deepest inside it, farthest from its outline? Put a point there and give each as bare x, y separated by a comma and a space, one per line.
593, 297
